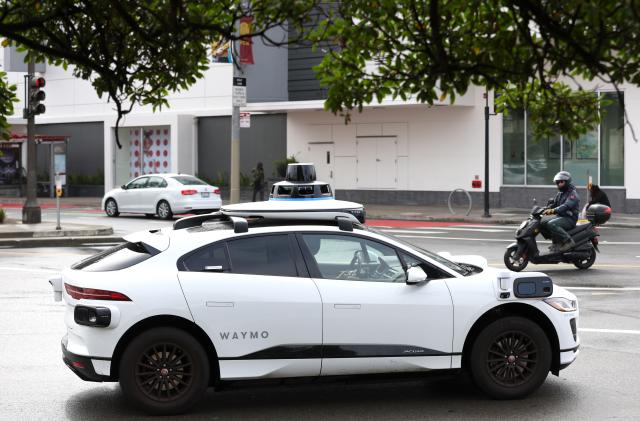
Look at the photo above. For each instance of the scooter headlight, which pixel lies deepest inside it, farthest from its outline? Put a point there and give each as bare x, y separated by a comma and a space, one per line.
562, 304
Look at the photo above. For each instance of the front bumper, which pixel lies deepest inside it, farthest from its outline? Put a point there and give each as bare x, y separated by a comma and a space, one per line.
82, 366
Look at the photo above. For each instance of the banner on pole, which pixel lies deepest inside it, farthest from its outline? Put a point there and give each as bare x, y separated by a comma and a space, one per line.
246, 42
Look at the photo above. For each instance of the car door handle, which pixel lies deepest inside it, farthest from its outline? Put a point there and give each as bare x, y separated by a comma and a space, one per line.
346, 306
213, 269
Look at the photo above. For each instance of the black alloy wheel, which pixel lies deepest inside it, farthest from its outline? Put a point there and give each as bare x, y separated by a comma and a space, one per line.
164, 371
512, 263
588, 262
510, 358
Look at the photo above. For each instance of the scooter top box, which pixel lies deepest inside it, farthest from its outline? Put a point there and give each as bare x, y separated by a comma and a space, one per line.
598, 214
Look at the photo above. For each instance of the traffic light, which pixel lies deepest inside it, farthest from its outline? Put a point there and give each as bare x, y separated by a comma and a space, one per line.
36, 96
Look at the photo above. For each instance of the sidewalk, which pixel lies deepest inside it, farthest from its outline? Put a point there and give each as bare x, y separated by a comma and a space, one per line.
15, 234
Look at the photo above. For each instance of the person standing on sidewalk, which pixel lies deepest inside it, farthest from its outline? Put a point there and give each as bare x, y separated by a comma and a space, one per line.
566, 208
258, 181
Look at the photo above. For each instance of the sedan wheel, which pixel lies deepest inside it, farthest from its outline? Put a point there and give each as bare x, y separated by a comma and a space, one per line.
111, 208
510, 358
164, 371
164, 210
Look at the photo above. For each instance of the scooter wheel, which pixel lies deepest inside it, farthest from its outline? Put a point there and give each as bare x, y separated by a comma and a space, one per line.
512, 263
588, 262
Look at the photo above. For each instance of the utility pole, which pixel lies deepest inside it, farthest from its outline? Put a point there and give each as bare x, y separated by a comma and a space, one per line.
239, 85
486, 155
31, 213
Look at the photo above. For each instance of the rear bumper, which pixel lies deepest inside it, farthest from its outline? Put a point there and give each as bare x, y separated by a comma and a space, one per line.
82, 366
184, 206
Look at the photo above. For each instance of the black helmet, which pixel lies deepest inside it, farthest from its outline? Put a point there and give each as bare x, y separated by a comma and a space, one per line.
563, 176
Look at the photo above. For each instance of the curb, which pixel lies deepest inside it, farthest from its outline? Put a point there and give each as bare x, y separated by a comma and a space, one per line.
58, 241
97, 232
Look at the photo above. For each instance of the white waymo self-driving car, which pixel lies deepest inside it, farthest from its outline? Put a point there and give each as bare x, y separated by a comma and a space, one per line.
250, 294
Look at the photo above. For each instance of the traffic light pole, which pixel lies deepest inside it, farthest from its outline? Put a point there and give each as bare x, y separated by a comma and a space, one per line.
31, 213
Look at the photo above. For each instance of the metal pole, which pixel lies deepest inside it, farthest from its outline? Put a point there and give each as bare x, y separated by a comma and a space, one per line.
235, 146
486, 156
31, 213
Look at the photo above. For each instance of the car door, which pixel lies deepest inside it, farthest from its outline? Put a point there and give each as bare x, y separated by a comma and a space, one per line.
129, 200
150, 195
257, 303
373, 322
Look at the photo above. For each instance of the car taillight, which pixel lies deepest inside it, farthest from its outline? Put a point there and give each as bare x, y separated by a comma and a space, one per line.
188, 192
79, 293
216, 191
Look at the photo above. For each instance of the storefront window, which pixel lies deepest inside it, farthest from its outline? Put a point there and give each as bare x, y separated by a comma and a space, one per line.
513, 147
612, 143
543, 159
580, 158
145, 150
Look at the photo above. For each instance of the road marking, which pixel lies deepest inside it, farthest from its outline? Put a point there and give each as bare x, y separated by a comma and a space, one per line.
31, 270
460, 238
602, 288
623, 331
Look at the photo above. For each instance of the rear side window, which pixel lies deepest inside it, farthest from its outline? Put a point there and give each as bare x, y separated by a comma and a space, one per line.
263, 255
116, 258
207, 256
188, 180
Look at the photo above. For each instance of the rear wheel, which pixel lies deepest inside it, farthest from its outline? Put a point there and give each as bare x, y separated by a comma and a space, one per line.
163, 210
510, 358
513, 263
587, 262
164, 371
111, 208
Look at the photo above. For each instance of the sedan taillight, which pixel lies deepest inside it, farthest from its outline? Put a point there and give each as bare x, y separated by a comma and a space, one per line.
79, 293
216, 191
189, 192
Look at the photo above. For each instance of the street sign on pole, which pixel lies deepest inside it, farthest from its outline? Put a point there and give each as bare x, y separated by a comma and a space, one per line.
239, 93
245, 120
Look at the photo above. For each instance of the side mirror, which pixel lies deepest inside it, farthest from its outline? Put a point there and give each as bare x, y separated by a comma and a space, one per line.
415, 275
123, 187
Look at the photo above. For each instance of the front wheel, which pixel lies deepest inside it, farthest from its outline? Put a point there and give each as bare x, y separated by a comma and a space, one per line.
512, 263
111, 208
588, 262
164, 371
511, 358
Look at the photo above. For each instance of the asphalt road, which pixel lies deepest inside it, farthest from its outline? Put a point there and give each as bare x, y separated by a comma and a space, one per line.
601, 384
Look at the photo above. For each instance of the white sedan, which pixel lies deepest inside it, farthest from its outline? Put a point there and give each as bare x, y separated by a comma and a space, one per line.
163, 195
220, 298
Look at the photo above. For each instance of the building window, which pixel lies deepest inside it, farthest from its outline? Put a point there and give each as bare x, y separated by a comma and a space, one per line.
545, 157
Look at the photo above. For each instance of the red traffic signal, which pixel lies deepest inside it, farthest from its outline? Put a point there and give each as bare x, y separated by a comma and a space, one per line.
38, 82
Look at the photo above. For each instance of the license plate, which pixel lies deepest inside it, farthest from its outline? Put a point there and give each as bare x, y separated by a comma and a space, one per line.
204, 194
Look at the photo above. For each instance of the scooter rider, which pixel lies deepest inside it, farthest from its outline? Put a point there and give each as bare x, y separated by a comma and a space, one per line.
566, 207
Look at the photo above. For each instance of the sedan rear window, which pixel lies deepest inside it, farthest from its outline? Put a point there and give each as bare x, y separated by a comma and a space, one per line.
188, 180
117, 258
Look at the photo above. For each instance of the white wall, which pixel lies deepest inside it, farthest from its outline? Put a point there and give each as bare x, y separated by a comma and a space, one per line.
439, 148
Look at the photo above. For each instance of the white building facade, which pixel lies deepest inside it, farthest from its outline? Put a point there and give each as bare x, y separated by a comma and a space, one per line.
394, 152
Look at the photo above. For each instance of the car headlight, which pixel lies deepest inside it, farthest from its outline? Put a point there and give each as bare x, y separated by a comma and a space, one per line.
562, 304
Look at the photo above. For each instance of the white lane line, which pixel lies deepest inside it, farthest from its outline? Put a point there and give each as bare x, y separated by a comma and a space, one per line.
603, 288
605, 243
623, 331
419, 230
31, 270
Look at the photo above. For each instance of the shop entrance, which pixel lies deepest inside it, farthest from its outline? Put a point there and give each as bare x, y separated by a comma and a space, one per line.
377, 162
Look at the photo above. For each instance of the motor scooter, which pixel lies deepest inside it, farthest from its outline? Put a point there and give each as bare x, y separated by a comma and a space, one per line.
582, 255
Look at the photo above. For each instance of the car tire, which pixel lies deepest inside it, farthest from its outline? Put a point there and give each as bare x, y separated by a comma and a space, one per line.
588, 262
111, 208
510, 358
163, 210
160, 390
511, 263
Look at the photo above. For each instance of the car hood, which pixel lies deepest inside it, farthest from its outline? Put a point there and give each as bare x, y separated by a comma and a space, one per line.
470, 259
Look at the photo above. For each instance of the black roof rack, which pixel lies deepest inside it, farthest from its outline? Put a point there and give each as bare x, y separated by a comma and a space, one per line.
241, 225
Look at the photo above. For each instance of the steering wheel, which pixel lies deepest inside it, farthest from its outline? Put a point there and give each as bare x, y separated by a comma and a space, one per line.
385, 271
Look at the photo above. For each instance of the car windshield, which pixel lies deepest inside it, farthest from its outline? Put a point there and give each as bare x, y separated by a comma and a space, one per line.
461, 269
189, 180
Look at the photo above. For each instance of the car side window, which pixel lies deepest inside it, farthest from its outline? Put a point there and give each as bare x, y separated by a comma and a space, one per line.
431, 271
138, 183
156, 182
209, 256
262, 255
354, 258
